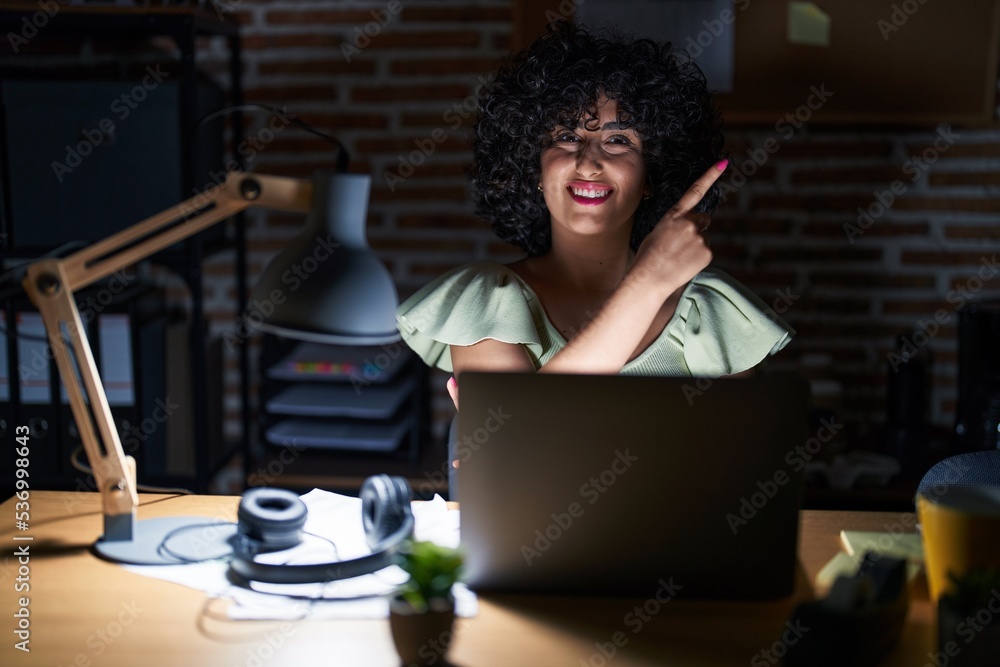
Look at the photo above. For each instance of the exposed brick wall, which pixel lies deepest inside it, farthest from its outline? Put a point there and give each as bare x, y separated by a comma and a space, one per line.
401, 105
400, 97
861, 282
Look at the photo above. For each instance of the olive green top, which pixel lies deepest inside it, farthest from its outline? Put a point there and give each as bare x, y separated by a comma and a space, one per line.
719, 326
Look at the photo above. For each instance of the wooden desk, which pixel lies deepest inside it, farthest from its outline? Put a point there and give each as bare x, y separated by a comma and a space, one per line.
85, 611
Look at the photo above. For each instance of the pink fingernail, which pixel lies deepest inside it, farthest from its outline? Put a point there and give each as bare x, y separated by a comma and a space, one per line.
722, 164
451, 382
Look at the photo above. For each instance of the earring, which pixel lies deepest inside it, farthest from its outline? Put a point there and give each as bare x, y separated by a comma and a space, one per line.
540, 188
646, 196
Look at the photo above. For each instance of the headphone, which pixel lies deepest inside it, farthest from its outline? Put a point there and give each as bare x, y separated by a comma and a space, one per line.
272, 519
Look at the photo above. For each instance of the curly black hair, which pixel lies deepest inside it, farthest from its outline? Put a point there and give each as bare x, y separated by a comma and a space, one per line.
661, 95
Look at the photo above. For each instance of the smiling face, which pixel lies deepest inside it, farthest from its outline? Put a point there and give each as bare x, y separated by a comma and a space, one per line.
594, 175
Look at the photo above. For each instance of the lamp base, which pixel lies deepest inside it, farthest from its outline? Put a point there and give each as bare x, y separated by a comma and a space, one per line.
191, 538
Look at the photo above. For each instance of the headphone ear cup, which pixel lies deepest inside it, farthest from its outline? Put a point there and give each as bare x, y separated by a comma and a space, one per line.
271, 518
385, 506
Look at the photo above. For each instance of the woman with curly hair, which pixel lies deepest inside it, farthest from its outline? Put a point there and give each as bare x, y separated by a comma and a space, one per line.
598, 157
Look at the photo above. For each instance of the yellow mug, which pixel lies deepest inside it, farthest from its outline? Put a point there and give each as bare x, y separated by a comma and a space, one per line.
960, 528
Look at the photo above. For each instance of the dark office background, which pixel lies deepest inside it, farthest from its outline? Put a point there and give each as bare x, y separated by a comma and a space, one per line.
395, 86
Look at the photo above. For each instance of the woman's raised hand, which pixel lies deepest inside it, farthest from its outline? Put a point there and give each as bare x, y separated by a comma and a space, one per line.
675, 251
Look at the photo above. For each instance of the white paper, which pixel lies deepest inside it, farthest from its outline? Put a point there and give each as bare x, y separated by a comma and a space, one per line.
336, 518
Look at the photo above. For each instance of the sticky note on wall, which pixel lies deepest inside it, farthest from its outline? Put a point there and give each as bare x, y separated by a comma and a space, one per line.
808, 24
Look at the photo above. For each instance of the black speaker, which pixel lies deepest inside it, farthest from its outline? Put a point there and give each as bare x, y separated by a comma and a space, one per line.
977, 425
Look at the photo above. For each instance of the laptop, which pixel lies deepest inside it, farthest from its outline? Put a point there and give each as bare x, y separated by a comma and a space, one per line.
623, 485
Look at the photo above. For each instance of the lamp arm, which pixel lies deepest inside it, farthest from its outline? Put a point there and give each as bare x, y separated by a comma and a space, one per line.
51, 284
238, 192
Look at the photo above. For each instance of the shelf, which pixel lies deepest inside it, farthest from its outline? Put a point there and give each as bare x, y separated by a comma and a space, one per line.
182, 25
343, 388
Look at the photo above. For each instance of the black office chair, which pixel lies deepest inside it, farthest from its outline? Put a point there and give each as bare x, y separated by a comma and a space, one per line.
973, 468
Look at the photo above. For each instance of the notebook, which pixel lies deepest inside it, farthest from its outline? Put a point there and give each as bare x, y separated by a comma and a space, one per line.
621, 485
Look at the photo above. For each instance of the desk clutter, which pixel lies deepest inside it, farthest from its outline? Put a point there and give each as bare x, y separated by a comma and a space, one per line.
333, 530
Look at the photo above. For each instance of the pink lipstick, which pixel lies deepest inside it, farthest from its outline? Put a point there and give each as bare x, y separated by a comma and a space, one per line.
589, 193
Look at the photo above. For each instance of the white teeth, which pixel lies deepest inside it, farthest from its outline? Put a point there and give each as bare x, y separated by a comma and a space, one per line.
591, 194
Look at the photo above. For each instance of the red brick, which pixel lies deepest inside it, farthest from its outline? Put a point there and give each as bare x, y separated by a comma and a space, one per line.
965, 284
947, 204
837, 329
434, 171
743, 224
836, 354
409, 93
726, 251
324, 66
418, 245
457, 14
826, 254
988, 231
859, 377
439, 221
444, 66
943, 258
330, 123
224, 270
945, 357
442, 120
243, 18
404, 145
985, 150
423, 193
281, 95
880, 228
292, 41
305, 168
316, 17
970, 178
868, 279
504, 251
819, 202
278, 219
301, 144
917, 307
812, 150
502, 42
425, 40
734, 146
758, 174
226, 316
944, 381
265, 245
841, 305
860, 175
756, 278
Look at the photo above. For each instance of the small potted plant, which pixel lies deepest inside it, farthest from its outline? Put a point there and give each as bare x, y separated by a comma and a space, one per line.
968, 621
422, 612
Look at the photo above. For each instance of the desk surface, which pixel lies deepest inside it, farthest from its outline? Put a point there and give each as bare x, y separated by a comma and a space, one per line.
85, 611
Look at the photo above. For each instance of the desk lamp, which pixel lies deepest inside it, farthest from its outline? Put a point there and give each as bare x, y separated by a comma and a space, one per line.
347, 297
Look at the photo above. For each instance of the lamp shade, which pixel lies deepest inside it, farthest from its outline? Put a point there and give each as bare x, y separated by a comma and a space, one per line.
327, 285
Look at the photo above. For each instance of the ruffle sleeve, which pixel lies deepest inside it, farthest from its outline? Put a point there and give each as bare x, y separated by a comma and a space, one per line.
724, 328
464, 306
